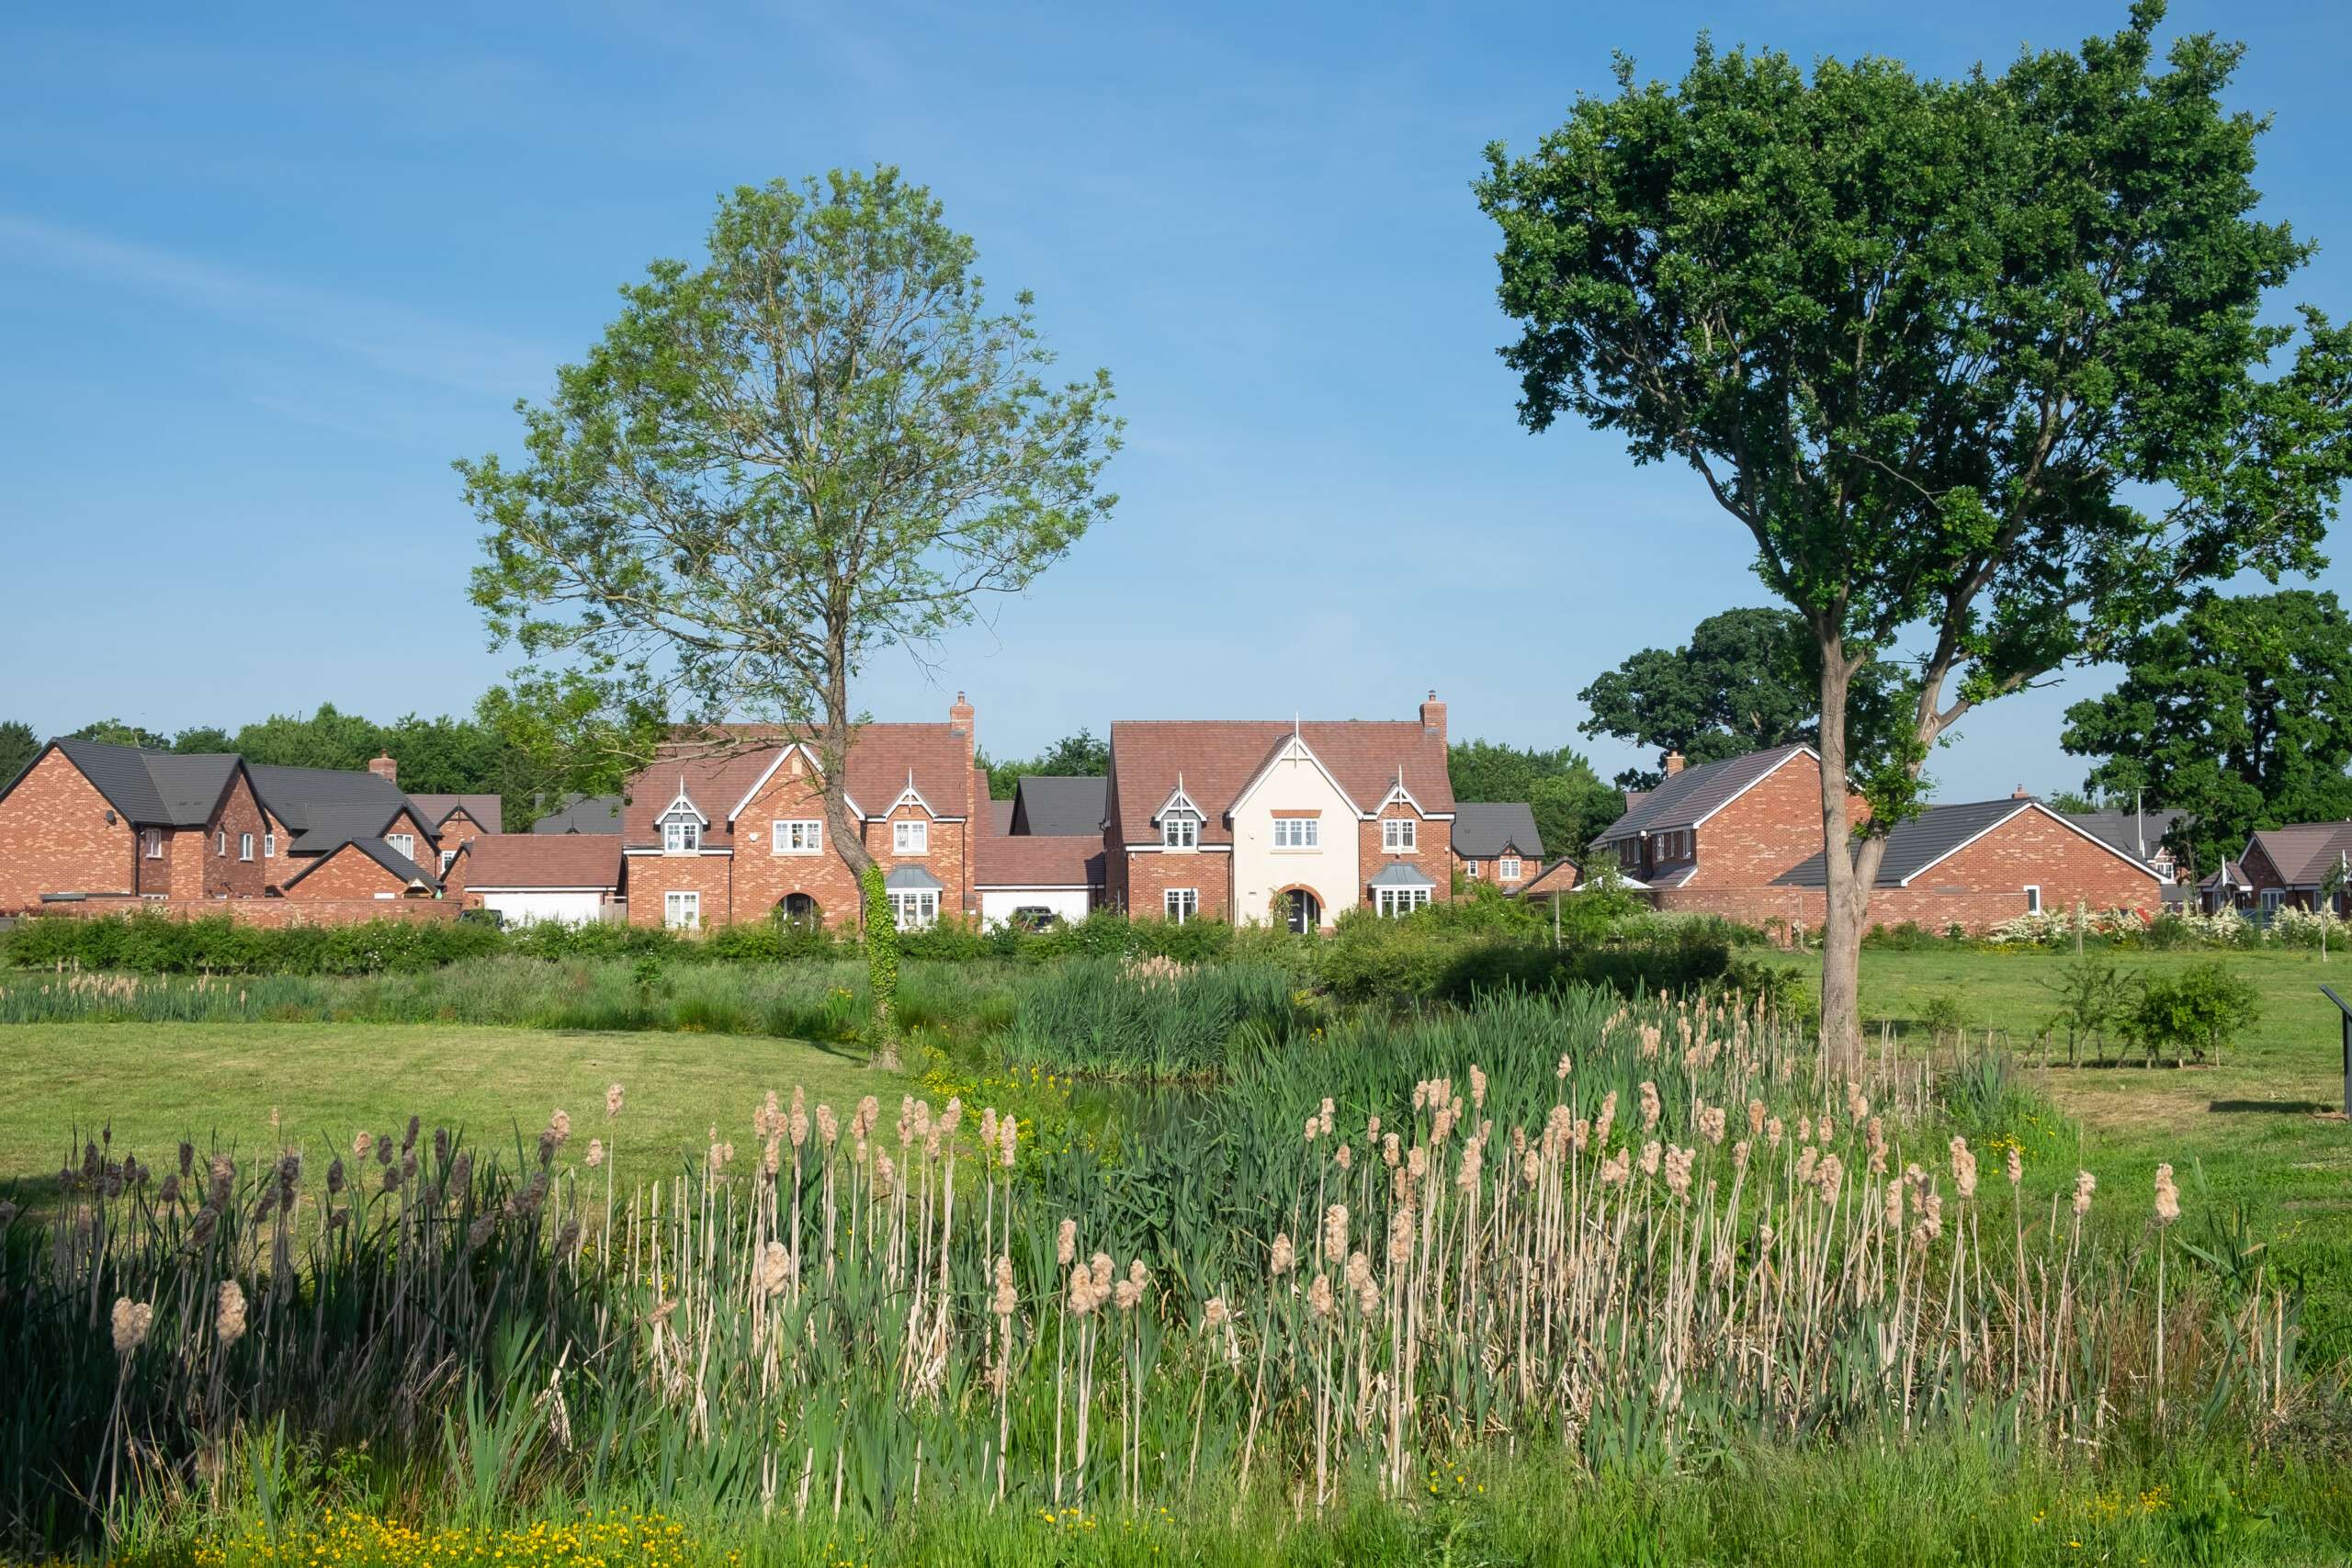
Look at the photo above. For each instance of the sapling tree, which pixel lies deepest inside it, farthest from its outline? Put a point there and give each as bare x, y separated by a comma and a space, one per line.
820, 442
1980, 367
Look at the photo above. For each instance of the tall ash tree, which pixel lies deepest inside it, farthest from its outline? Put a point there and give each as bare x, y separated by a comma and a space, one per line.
1978, 367
819, 444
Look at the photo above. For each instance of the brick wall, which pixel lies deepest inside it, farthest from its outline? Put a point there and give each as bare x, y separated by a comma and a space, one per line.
227, 876
651, 876
1772, 827
54, 838
1489, 870
264, 913
347, 873
1151, 874
1432, 853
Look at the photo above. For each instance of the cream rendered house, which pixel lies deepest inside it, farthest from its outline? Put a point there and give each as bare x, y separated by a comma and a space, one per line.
1293, 837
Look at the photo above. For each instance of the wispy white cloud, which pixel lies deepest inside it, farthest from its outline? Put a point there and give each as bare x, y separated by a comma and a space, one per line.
392, 338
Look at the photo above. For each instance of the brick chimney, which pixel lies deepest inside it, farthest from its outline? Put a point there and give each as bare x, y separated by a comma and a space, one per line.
384, 768
1433, 716
2020, 793
1673, 764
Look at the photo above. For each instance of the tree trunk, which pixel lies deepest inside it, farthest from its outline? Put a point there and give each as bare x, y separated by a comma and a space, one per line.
1848, 876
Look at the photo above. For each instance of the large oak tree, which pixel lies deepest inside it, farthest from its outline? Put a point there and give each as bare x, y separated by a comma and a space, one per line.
1979, 366
2238, 713
820, 442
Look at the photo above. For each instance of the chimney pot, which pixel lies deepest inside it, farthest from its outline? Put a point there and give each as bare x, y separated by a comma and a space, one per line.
1673, 764
384, 768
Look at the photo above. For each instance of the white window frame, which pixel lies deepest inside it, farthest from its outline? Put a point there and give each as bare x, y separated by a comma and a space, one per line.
1508, 868
1470, 869
910, 838
269, 846
245, 846
1298, 832
221, 847
1391, 902
446, 856
681, 835
914, 909
2272, 897
1179, 831
1400, 836
1180, 905
2032, 898
796, 836
681, 909
151, 842
405, 842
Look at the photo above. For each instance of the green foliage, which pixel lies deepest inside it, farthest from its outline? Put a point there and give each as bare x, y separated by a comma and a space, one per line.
114, 732
1982, 368
1569, 800
18, 746
2238, 713
1151, 1020
2092, 995
1073, 756
2199, 1010
158, 945
1747, 681
881, 948
820, 443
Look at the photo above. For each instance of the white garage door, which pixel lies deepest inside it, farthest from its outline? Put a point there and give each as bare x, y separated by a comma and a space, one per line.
996, 904
522, 908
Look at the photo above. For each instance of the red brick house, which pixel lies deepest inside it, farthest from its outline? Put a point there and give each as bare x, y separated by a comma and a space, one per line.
1977, 864
2291, 865
1561, 876
1497, 843
573, 878
88, 820
719, 833
1742, 839
452, 820
1251, 820
359, 869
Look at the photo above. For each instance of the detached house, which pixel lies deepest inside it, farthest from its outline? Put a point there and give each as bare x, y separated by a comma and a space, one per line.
1251, 820
88, 821
1497, 843
735, 830
2283, 866
1716, 837
1977, 864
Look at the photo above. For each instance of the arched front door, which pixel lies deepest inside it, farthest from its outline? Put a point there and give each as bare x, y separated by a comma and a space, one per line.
799, 910
1305, 913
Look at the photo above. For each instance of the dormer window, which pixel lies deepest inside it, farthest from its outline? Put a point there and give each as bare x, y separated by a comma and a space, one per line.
1179, 831
681, 835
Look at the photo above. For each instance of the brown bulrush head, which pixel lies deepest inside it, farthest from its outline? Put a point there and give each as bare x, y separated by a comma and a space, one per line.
1008, 1139
2084, 1185
1284, 1257
131, 1321
775, 1269
2167, 1196
558, 1124
1829, 1177
1318, 1296
613, 1101
1334, 1230
1964, 1168
828, 1128
1003, 1301
364, 1144
1755, 1117
1651, 1107
1650, 1153
229, 1312
1711, 1124
2016, 1166
1607, 1119
595, 1153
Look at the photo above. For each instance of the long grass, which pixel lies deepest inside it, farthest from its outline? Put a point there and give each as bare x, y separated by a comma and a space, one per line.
1570, 1230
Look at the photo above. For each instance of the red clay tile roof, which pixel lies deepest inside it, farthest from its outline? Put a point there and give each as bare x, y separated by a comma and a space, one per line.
881, 758
2304, 853
1218, 758
542, 860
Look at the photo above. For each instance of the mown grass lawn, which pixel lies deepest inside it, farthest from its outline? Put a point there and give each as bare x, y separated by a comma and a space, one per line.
156, 1083
2264, 1128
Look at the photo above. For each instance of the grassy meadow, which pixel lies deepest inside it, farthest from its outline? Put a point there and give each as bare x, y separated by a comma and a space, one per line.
1571, 1282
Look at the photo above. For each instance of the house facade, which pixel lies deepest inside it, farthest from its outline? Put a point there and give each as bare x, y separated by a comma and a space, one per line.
1259, 820
732, 827
1497, 843
2284, 867
1742, 839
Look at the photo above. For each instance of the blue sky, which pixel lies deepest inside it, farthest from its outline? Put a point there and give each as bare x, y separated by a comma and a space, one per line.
265, 271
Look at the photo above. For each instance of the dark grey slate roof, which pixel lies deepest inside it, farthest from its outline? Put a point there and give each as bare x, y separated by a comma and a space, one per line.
1055, 805
1483, 830
1920, 842
154, 788
912, 879
1685, 797
2124, 832
583, 813
384, 854
324, 806
1401, 874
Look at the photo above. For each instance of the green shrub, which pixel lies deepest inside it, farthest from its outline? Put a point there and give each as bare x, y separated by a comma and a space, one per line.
2199, 1010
